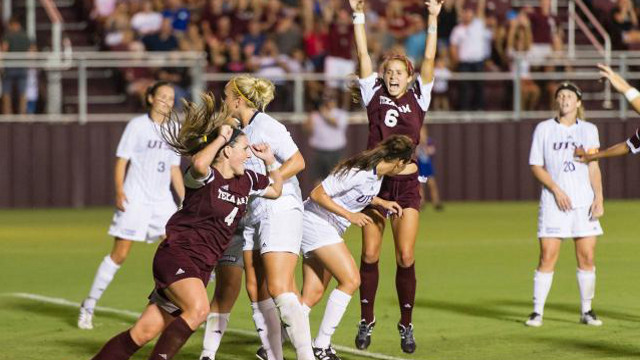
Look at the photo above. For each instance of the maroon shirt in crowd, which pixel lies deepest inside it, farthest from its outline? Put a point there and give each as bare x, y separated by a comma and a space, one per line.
340, 40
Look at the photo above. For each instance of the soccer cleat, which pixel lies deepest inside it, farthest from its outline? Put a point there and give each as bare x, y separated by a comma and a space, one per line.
325, 354
85, 319
206, 358
363, 339
534, 320
407, 341
590, 318
261, 354
205, 355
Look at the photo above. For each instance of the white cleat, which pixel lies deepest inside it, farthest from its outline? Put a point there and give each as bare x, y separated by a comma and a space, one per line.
590, 318
535, 320
85, 319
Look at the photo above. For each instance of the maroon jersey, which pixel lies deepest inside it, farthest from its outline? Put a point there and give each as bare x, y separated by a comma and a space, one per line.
390, 116
634, 142
211, 211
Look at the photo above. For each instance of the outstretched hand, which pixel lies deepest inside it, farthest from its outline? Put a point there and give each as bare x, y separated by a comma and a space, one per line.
620, 84
357, 6
433, 6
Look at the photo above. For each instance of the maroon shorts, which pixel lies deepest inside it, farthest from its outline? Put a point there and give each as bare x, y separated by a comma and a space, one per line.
403, 189
172, 263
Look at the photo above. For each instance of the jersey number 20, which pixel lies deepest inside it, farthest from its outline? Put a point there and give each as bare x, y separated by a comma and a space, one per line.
391, 118
232, 215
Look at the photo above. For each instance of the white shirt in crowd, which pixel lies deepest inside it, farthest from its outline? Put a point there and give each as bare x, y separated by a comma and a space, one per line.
32, 85
471, 41
148, 178
553, 147
146, 22
353, 191
441, 76
264, 129
327, 137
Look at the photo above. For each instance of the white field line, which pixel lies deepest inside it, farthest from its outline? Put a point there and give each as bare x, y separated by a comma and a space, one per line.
135, 315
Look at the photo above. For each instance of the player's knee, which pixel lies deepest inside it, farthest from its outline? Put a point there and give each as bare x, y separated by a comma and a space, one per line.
143, 334
351, 284
370, 255
586, 262
405, 259
118, 257
278, 287
312, 296
198, 313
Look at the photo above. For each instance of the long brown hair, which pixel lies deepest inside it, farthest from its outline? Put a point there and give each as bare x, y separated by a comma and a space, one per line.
395, 147
200, 126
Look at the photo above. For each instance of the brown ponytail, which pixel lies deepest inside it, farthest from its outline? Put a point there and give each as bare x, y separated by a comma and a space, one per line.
395, 147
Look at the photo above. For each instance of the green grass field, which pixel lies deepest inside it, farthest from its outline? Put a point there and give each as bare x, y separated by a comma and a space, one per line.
475, 263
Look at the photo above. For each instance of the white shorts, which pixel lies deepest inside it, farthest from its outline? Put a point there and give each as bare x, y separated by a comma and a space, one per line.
317, 232
280, 232
337, 66
142, 222
553, 223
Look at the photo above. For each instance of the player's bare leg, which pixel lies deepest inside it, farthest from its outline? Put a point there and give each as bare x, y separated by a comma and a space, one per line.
371, 247
228, 285
586, 276
543, 278
265, 313
405, 231
280, 269
104, 275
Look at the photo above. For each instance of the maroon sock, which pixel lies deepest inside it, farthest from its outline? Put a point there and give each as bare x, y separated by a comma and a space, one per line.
171, 340
120, 347
368, 287
406, 288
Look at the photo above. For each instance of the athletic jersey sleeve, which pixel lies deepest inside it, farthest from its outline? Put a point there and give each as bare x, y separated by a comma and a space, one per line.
536, 156
368, 88
174, 159
634, 142
259, 183
594, 138
193, 183
422, 92
335, 185
126, 146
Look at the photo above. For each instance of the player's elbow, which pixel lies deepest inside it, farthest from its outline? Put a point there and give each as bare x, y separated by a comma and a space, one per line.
199, 166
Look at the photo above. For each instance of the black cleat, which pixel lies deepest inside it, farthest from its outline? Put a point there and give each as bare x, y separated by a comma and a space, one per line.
325, 354
261, 354
407, 342
363, 339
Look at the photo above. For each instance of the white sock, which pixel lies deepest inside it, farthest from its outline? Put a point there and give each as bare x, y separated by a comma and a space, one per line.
306, 309
336, 306
101, 281
265, 316
587, 286
541, 286
213, 333
296, 323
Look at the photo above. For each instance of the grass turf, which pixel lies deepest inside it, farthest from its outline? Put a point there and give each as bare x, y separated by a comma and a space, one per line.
474, 265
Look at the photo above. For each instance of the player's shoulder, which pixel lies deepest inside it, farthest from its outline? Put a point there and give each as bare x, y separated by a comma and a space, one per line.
139, 122
587, 125
265, 121
546, 124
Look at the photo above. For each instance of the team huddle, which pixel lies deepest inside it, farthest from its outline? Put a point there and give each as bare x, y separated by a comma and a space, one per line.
240, 210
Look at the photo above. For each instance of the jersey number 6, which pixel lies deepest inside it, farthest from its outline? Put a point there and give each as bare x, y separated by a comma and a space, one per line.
391, 118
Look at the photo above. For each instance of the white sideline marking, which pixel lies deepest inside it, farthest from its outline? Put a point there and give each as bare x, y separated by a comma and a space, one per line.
133, 314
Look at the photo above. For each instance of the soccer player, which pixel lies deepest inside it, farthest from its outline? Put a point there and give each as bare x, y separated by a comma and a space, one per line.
273, 228
394, 105
333, 206
571, 202
632, 144
218, 190
144, 202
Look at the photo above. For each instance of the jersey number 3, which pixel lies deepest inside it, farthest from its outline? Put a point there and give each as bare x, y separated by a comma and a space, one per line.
391, 118
232, 215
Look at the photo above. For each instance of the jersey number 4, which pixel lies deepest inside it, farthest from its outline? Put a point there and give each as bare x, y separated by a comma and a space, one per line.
391, 118
232, 215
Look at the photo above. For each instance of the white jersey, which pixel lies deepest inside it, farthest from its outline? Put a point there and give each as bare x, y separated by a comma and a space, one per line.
553, 147
264, 129
150, 158
353, 191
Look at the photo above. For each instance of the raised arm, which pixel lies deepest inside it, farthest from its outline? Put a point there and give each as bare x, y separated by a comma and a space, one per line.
621, 86
201, 161
360, 32
428, 64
